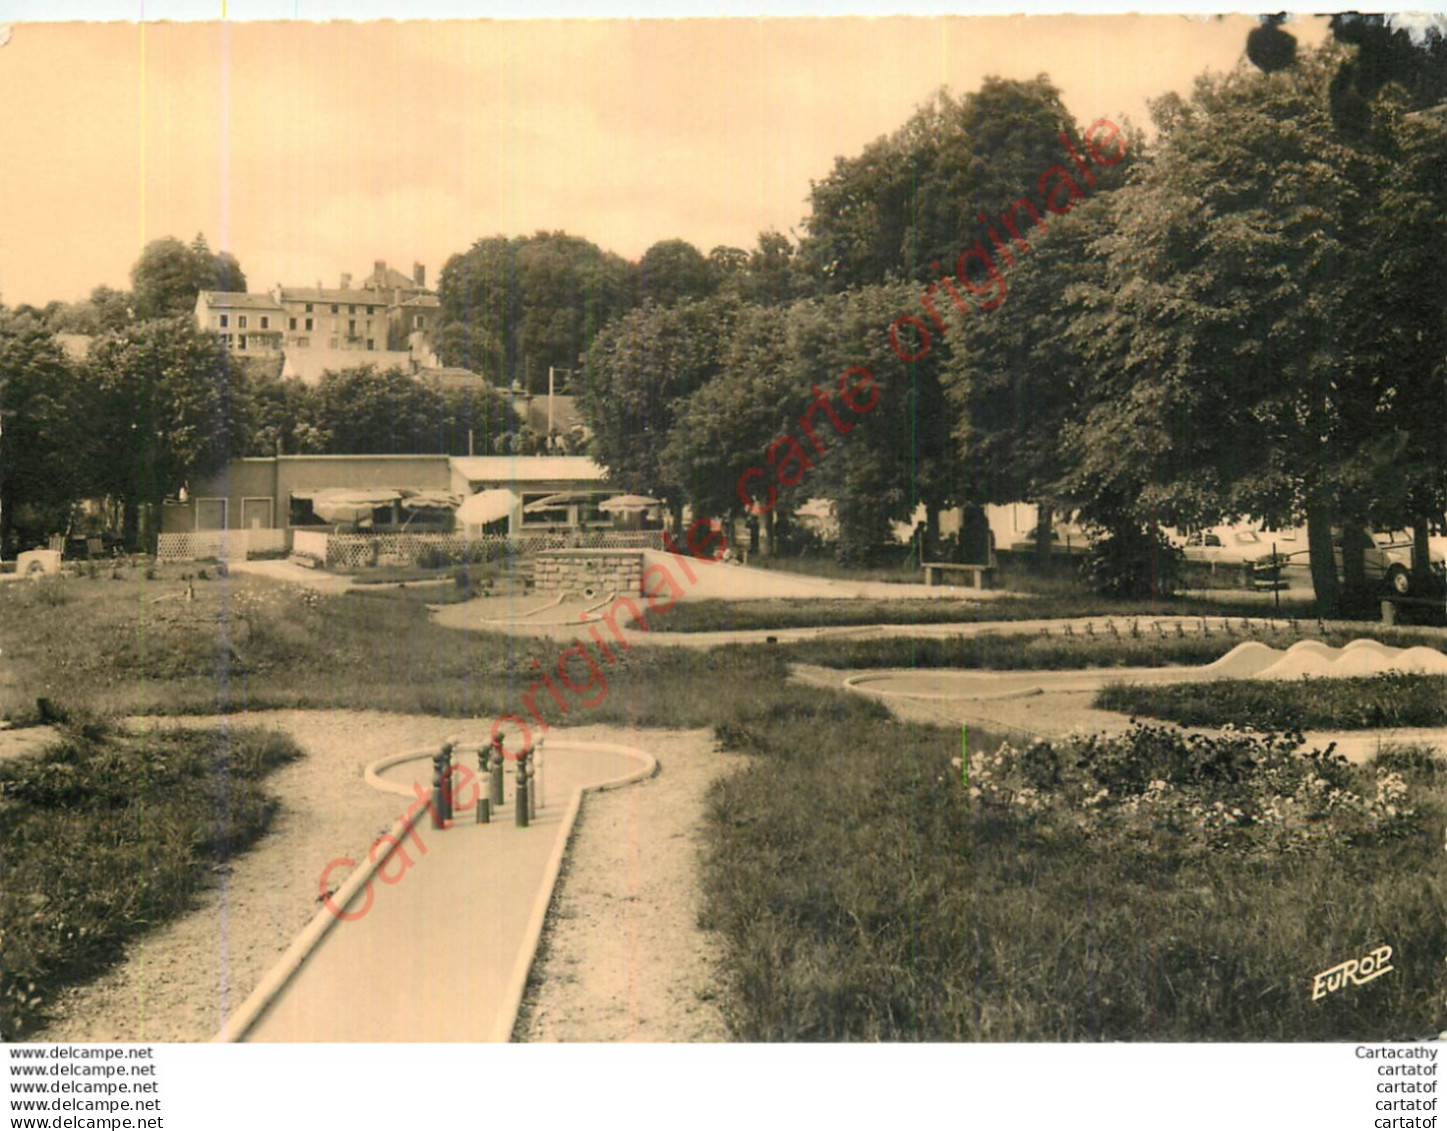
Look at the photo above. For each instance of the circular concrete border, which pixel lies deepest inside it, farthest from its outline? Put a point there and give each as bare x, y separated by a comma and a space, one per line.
275, 981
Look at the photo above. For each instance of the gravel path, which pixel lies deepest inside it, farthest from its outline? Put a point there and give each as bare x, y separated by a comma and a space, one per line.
623, 957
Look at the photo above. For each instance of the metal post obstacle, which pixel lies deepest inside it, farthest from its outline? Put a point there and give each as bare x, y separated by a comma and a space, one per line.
484, 803
520, 789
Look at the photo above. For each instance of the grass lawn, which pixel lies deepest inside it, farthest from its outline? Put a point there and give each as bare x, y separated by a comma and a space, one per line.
865, 894
107, 834
1391, 699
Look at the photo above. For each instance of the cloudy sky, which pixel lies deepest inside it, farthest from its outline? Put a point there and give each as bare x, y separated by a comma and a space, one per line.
313, 149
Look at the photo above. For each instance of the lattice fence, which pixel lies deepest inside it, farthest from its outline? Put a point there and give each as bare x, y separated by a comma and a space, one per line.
193, 545
356, 551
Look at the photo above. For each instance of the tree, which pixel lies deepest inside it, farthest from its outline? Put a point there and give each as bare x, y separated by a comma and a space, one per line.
906, 202
43, 419
671, 270
363, 411
639, 372
1015, 375
163, 414
512, 308
1225, 379
169, 275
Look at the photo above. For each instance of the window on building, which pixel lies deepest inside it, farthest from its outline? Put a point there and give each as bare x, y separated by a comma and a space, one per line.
309, 324
224, 321
352, 309
241, 321
265, 322
369, 310
331, 343
300, 512
416, 321
334, 308
304, 343
291, 323
308, 308
352, 328
241, 342
371, 343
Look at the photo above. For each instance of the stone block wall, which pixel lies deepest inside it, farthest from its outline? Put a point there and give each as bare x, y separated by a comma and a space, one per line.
577, 572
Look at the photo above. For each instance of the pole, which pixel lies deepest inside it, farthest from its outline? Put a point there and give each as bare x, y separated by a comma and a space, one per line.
520, 790
484, 804
436, 806
495, 784
446, 756
1276, 579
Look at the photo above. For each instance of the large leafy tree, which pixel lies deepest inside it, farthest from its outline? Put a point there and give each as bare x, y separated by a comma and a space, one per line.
365, 411
43, 425
640, 371
1226, 375
1016, 375
163, 414
907, 200
169, 275
671, 270
511, 308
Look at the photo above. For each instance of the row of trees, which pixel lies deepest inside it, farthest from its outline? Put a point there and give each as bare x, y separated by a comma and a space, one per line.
1249, 318
511, 308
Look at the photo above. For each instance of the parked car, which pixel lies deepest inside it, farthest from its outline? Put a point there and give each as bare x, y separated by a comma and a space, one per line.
1387, 555
1065, 539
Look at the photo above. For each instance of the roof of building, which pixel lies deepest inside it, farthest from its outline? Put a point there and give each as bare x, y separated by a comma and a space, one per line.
310, 364
389, 279
422, 300
241, 300
332, 295
511, 469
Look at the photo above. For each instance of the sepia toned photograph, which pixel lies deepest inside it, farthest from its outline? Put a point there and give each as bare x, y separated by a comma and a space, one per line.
753, 530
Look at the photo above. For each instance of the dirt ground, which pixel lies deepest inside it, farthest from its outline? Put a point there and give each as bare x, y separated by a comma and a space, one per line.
629, 895
623, 957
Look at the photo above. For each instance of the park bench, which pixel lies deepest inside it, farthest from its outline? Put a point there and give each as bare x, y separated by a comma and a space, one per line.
979, 575
1392, 606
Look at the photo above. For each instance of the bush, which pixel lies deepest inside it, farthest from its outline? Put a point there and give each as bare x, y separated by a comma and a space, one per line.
107, 834
434, 557
1133, 562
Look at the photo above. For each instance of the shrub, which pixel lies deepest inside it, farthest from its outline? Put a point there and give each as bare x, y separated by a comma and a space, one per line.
1133, 561
107, 834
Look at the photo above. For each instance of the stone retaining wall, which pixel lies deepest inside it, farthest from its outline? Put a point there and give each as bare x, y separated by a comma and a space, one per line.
589, 572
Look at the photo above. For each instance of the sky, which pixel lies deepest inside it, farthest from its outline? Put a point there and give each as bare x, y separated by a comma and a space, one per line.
313, 149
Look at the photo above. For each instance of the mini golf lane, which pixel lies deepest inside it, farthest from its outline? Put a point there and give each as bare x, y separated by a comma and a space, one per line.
951, 691
442, 951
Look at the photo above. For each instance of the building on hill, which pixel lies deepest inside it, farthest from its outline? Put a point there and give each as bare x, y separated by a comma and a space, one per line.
250, 325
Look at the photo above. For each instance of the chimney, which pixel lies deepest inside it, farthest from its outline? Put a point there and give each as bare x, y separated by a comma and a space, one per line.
419, 276
379, 268
346, 281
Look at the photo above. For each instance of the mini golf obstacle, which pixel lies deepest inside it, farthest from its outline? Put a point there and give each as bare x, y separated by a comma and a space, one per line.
527, 783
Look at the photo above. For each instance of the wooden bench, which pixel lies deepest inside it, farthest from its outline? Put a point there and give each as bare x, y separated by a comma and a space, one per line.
1390, 605
980, 575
